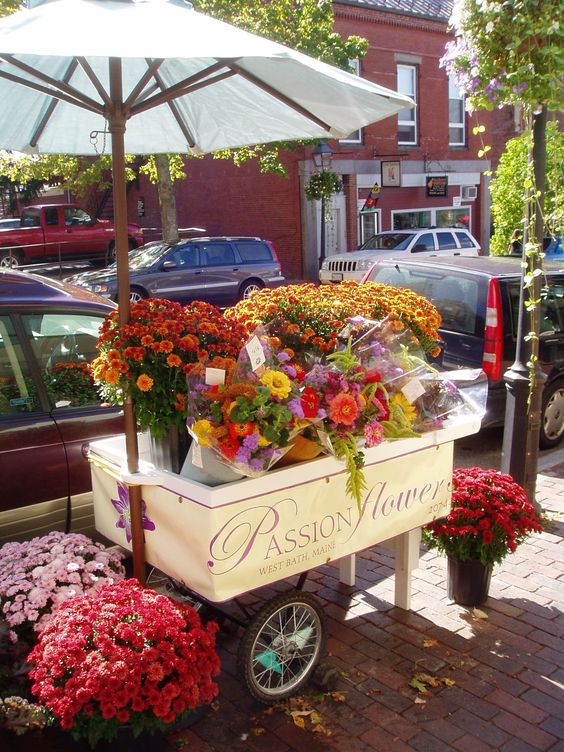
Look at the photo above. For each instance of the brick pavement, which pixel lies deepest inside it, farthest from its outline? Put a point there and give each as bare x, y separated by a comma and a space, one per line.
505, 688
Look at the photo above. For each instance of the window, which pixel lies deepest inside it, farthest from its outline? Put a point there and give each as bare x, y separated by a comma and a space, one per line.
356, 136
407, 220
464, 240
456, 118
254, 252
407, 123
369, 224
217, 254
18, 393
64, 345
76, 216
446, 241
424, 243
52, 216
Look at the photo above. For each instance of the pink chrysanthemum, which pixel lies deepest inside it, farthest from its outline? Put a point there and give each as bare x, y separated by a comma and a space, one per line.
373, 434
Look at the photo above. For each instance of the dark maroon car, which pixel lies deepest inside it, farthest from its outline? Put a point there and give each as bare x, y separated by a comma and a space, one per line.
49, 408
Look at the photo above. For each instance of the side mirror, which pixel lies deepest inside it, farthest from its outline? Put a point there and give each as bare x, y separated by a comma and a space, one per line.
169, 265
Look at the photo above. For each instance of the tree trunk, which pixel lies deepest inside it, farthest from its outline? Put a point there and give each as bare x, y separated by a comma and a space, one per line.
167, 200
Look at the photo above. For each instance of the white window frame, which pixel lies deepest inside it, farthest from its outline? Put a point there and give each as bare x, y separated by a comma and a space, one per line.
454, 93
362, 233
410, 116
433, 211
356, 136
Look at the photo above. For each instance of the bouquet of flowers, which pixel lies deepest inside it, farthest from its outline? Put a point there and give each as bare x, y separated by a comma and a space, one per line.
150, 356
251, 413
37, 575
490, 517
308, 318
123, 655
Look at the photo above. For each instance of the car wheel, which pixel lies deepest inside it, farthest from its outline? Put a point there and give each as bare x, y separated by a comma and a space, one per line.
249, 287
136, 295
552, 418
10, 259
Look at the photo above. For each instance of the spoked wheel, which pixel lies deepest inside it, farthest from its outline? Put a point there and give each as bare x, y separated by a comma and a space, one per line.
280, 649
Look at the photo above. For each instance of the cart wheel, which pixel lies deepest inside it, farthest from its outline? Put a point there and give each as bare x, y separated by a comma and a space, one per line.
280, 649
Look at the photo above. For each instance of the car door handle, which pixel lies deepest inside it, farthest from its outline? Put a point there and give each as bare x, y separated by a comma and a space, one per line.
85, 450
465, 345
235, 268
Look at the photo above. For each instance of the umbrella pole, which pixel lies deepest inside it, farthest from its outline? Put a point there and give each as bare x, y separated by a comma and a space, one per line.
116, 126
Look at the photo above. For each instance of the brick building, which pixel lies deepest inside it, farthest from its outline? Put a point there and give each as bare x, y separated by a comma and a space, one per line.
424, 160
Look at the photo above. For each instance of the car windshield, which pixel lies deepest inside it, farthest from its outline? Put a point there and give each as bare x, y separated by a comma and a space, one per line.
398, 241
145, 256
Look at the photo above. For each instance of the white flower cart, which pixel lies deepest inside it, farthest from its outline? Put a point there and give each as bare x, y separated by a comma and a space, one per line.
220, 542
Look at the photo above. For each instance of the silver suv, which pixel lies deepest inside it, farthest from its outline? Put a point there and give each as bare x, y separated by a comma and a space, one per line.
219, 270
404, 244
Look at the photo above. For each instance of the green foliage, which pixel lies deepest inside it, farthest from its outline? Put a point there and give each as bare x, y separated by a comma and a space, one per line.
509, 184
7, 7
508, 51
323, 185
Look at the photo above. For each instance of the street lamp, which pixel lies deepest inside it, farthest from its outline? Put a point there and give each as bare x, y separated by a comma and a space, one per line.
322, 159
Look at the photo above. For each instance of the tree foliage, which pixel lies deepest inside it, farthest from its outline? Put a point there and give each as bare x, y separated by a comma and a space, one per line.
508, 188
305, 25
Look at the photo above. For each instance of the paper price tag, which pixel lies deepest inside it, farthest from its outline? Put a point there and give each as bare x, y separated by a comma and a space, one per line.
197, 455
413, 390
255, 353
215, 376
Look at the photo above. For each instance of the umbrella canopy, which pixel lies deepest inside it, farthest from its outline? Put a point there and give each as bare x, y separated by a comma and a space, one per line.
230, 88
155, 76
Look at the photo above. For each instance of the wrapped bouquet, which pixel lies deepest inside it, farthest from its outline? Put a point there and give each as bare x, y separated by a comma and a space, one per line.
249, 411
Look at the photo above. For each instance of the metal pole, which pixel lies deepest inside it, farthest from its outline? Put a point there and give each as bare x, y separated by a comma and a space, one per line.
524, 400
116, 126
322, 233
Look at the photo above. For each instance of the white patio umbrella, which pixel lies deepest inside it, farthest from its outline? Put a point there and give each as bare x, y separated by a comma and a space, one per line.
155, 76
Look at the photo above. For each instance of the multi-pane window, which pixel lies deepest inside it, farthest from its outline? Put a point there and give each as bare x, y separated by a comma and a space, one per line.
356, 136
407, 119
456, 118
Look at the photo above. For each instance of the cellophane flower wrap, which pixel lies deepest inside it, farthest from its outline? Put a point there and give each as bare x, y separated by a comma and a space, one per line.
490, 516
39, 574
250, 418
150, 356
123, 655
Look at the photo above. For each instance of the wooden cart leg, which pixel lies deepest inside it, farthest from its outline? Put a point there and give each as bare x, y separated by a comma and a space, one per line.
406, 548
347, 570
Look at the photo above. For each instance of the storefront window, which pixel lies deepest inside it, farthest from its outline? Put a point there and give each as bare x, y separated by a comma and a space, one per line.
407, 220
445, 217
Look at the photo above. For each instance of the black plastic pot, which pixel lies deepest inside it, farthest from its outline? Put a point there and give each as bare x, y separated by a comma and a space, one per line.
468, 582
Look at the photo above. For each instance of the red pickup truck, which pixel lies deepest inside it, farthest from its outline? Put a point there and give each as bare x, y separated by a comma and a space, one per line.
53, 232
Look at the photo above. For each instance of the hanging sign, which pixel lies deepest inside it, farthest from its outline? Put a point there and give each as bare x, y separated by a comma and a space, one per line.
437, 185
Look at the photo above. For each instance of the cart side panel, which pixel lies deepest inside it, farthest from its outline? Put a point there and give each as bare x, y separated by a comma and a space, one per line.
224, 551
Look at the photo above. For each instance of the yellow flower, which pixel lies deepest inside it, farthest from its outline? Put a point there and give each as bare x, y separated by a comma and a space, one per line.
409, 410
262, 442
279, 384
202, 430
144, 383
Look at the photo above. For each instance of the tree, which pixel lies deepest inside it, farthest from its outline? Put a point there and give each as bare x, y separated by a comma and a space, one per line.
508, 188
305, 25
512, 52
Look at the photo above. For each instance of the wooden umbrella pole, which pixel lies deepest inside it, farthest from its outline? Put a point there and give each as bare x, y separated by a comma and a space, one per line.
116, 125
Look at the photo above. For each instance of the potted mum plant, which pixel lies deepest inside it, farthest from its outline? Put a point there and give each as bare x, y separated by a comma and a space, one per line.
37, 575
149, 359
490, 517
123, 663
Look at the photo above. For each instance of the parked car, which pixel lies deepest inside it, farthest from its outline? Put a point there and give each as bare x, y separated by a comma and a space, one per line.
478, 299
424, 242
220, 270
60, 231
49, 409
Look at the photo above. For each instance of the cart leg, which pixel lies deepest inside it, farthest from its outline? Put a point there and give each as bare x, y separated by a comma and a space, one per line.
347, 570
406, 548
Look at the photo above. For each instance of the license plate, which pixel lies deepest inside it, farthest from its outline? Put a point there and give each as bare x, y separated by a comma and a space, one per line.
336, 277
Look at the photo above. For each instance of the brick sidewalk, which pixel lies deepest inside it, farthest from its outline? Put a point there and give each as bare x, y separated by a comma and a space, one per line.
505, 672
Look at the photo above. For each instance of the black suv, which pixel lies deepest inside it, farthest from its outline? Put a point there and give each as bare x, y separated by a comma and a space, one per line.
220, 270
478, 299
